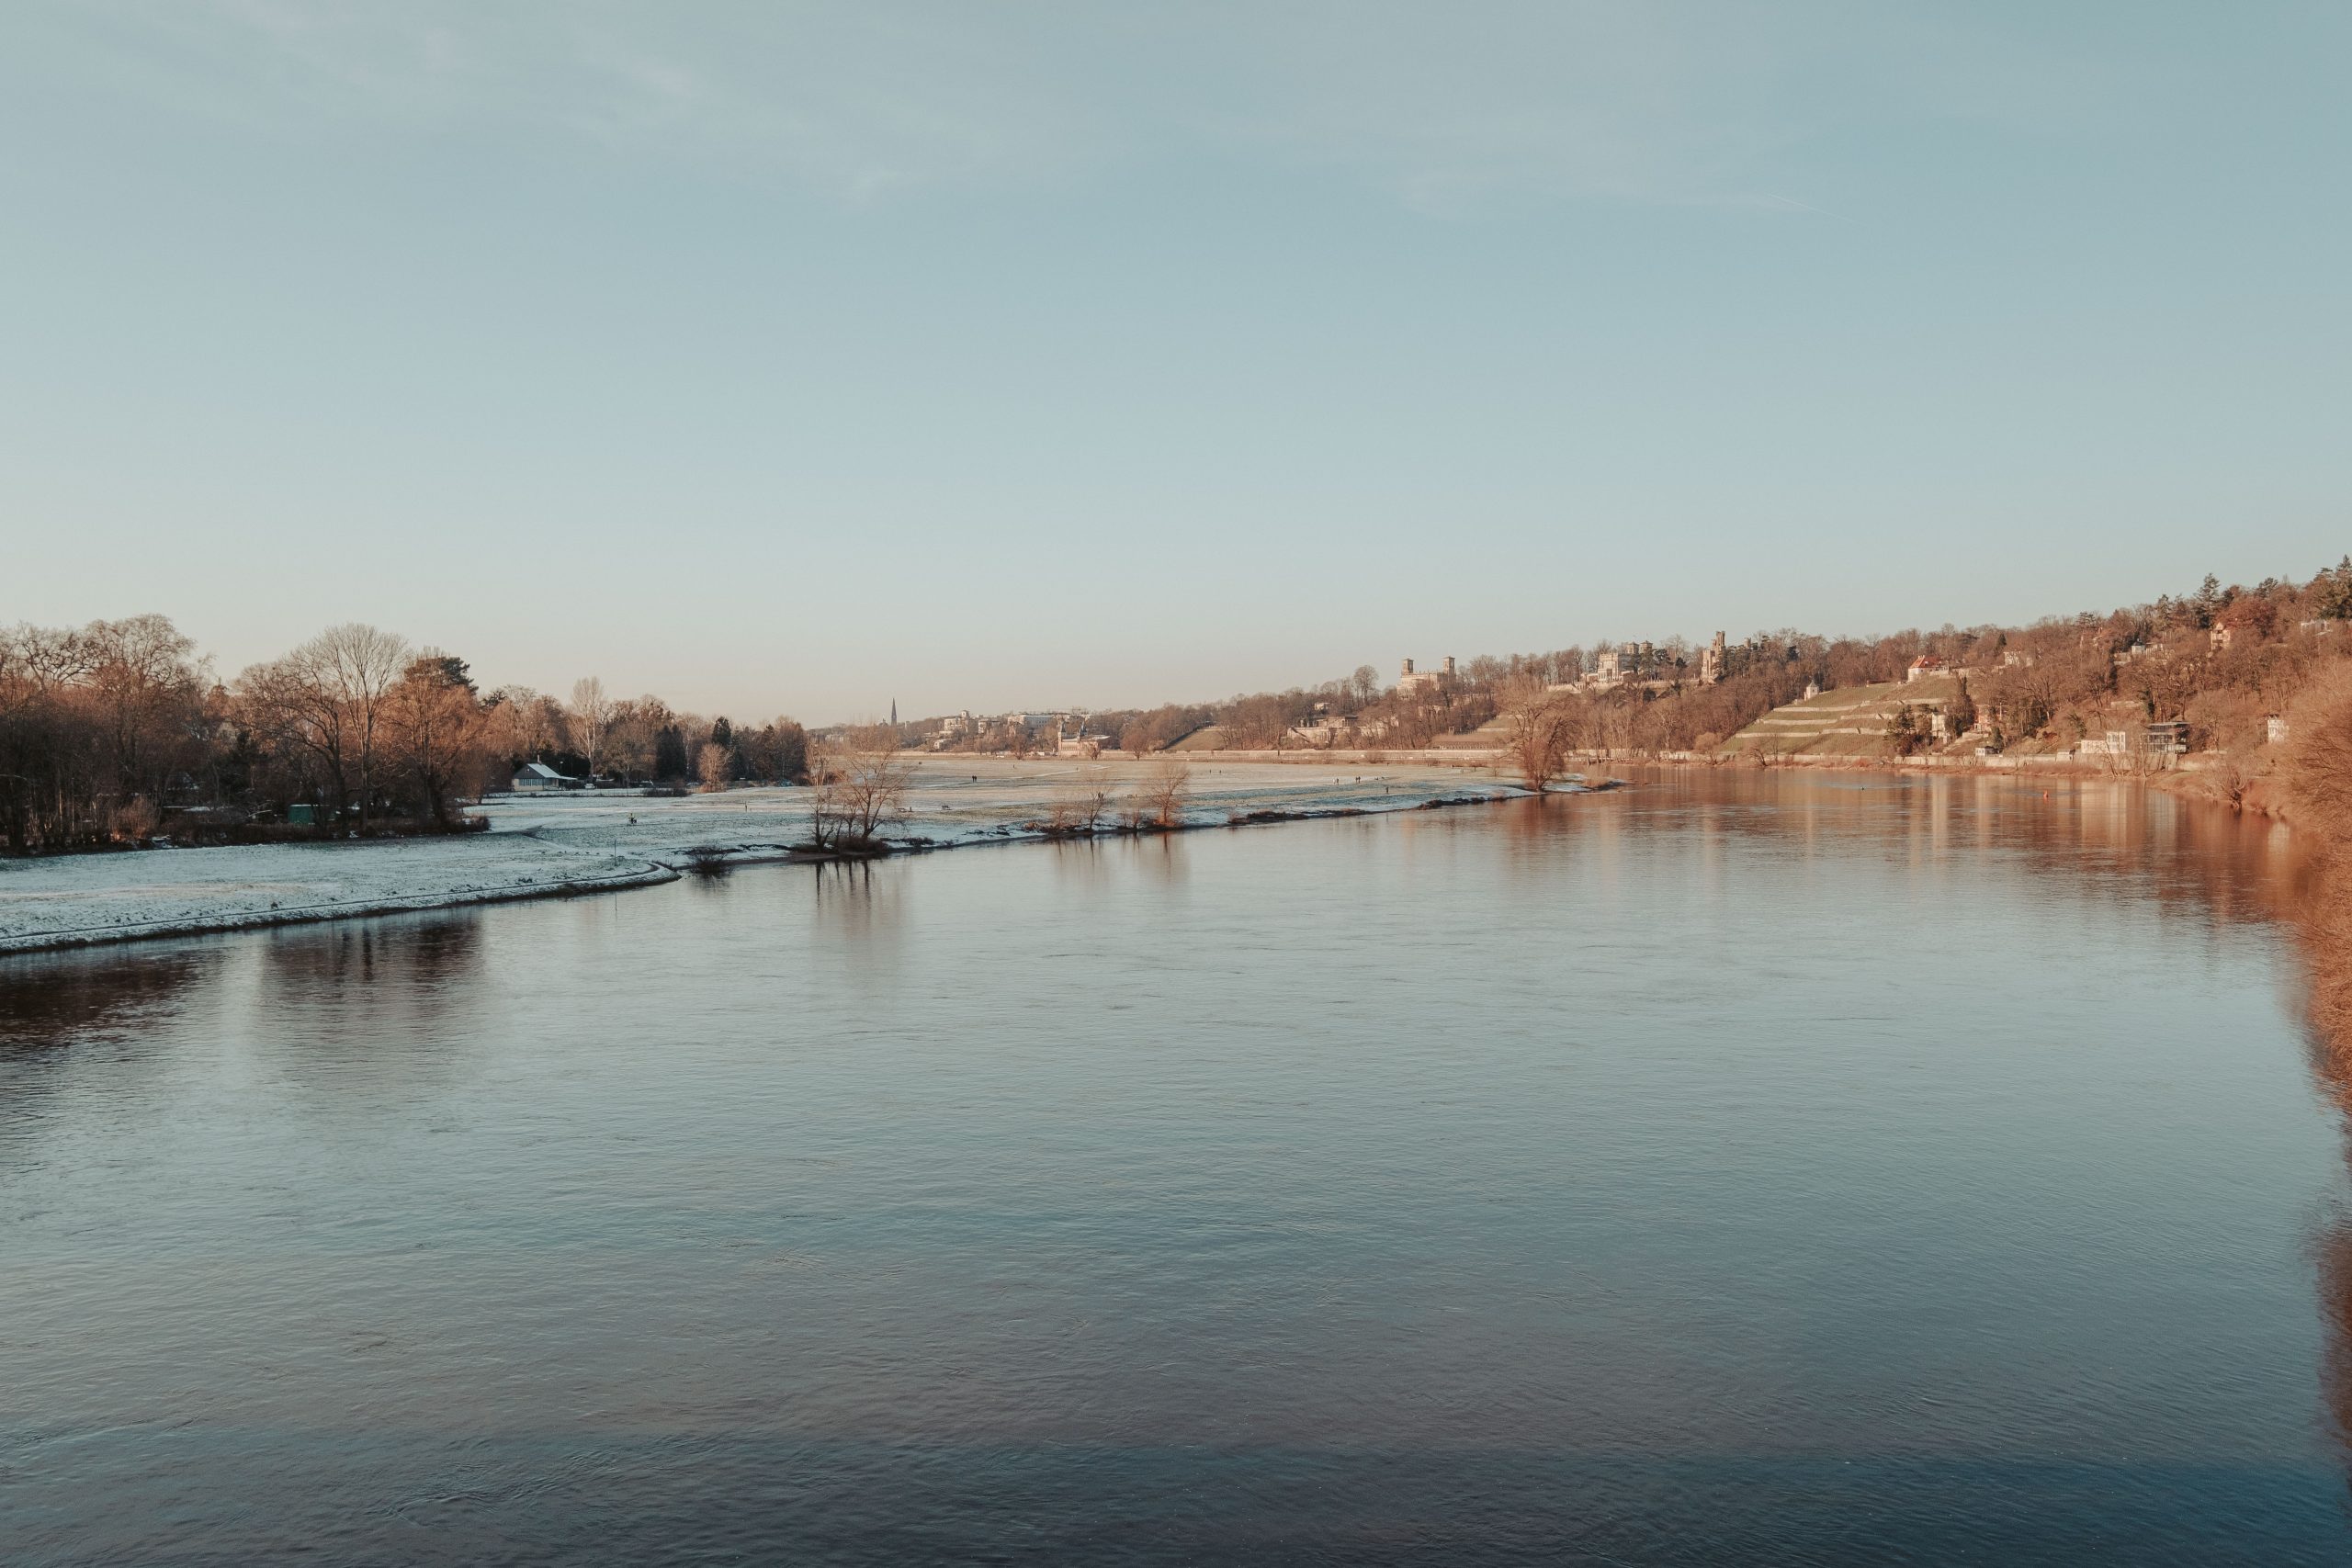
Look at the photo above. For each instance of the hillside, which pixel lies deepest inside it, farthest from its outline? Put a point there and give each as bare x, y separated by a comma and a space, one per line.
1851, 722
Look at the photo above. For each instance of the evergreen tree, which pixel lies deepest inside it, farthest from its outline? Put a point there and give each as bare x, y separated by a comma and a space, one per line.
2333, 599
669, 753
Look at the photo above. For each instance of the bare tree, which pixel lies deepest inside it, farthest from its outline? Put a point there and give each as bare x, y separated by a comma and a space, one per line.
592, 719
1536, 734
43, 796
1078, 809
2319, 756
522, 724
861, 781
1166, 788
290, 713
327, 698
711, 766
634, 738
358, 664
149, 689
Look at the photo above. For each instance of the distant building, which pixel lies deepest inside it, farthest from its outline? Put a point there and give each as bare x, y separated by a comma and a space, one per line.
2278, 730
1071, 738
1324, 729
1927, 664
537, 778
1711, 663
1433, 683
1812, 690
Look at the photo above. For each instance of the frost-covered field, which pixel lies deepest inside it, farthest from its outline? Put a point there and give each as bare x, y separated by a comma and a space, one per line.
75, 899
963, 800
587, 842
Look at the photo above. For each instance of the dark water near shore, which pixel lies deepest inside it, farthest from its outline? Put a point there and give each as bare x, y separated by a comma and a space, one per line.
1769, 1169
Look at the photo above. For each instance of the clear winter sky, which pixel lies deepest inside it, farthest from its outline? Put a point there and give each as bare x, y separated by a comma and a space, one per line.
797, 358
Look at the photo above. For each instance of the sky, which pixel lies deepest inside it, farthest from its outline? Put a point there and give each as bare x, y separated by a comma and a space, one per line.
803, 359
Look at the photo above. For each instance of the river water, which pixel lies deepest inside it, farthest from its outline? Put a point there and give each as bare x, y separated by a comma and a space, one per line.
1767, 1168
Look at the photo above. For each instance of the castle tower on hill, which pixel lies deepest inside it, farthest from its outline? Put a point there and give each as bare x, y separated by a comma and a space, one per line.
1435, 682
1711, 663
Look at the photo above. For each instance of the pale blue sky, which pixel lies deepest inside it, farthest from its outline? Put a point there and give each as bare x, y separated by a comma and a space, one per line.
783, 357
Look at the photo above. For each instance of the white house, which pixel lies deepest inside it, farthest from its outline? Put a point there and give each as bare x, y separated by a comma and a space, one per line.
533, 778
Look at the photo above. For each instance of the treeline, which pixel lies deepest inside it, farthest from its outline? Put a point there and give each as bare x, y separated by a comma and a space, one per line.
2221, 659
116, 730
119, 731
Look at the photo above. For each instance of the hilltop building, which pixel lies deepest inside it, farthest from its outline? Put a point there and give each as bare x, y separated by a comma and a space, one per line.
1433, 683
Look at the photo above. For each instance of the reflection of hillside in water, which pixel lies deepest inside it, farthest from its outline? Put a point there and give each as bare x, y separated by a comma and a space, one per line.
2323, 915
2139, 843
2179, 858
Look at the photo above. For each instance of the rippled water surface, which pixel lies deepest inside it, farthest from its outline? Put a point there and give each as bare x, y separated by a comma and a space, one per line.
1775, 1170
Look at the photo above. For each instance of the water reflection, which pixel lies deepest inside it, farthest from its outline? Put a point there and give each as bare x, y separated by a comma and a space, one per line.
336, 1007
860, 900
1160, 856
1801, 1169
337, 973
55, 1008
2321, 908
54, 999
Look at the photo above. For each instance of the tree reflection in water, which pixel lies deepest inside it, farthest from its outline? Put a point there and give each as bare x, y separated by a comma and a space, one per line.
50, 999
858, 898
332, 997
2323, 917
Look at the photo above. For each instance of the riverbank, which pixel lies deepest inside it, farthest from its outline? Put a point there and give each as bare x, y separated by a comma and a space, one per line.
607, 840
84, 900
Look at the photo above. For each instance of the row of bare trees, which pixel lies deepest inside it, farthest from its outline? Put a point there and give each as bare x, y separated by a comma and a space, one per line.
107, 730
1090, 806
95, 724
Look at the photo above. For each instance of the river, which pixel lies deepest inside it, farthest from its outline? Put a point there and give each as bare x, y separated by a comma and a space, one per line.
1772, 1167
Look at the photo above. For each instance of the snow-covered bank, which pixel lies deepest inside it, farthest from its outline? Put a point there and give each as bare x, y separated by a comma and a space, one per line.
77, 900
959, 800
545, 845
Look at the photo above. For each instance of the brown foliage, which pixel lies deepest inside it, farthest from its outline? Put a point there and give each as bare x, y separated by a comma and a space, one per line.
434, 728
1536, 731
2318, 765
